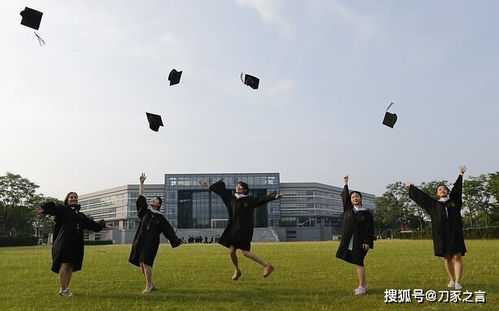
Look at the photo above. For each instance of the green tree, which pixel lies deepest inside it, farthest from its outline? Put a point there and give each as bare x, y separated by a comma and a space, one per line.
476, 197
493, 190
16, 196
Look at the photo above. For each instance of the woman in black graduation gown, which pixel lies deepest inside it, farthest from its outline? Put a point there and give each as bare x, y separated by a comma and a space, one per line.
446, 225
67, 247
146, 242
239, 230
358, 234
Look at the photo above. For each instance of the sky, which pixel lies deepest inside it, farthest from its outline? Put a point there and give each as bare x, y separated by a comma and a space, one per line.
72, 113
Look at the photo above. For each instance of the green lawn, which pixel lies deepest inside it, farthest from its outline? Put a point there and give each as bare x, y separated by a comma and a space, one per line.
197, 277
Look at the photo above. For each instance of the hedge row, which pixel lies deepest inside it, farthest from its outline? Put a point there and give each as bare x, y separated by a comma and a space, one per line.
18, 240
490, 232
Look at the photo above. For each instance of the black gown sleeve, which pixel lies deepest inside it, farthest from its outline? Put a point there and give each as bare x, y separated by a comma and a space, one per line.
52, 209
219, 188
141, 206
90, 224
261, 201
456, 194
368, 237
422, 199
345, 198
169, 233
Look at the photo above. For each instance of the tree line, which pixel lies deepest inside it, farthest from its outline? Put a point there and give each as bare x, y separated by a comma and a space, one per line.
395, 211
17, 218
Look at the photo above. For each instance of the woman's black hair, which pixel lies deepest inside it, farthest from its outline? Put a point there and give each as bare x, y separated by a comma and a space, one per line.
67, 197
159, 199
244, 186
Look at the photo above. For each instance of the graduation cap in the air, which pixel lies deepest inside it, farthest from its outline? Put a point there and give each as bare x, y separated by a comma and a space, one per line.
32, 19
174, 77
154, 121
390, 118
250, 80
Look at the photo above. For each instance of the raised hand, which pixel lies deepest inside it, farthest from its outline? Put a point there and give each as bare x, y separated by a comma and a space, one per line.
203, 183
278, 196
407, 185
462, 169
142, 178
37, 209
346, 179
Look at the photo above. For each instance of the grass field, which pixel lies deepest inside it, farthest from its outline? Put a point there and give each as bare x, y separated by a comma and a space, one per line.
197, 277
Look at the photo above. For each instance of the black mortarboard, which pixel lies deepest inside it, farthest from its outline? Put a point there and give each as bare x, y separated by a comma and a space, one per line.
390, 118
174, 77
154, 121
250, 80
31, 18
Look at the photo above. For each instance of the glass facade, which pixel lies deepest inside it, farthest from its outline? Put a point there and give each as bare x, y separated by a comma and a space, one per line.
118, 207
313, 205
189, 205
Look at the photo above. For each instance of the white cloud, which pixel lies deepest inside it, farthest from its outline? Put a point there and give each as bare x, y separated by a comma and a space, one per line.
269, 11
361, 25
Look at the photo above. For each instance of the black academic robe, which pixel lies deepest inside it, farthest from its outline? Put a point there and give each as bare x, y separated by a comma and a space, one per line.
239, 230
68, 246
446, 221
146, 242
356, 224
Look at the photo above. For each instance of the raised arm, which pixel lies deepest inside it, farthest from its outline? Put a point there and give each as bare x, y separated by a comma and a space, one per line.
169, 233
141, 200
49, 208
261, 201
421, 198
345, 196
456, 194
92, 225
219, 188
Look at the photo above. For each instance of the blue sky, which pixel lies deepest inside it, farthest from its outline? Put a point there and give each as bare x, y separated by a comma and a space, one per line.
72, 113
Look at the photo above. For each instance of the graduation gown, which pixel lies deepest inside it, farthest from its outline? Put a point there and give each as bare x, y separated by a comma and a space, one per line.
446, 221
146, 241
357, 225
239, 230
68, 246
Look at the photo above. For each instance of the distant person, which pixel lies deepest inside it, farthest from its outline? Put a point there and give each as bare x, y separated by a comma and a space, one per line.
446, 225
68, 246
358, 234
146, 242
239, 230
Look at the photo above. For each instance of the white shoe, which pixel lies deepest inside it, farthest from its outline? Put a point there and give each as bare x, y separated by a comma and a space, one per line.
457, 286
451, 284
66, 293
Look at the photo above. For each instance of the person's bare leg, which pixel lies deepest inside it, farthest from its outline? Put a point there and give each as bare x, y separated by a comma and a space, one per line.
63, 276
267, 267
148, 275
69, 274
458, 267
235, 262
449, 268
361, 275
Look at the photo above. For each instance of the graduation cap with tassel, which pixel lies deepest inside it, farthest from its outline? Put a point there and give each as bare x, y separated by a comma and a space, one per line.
32, 19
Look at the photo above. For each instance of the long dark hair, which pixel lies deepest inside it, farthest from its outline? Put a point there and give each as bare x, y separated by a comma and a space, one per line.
360, 194
244, 186
67, 197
